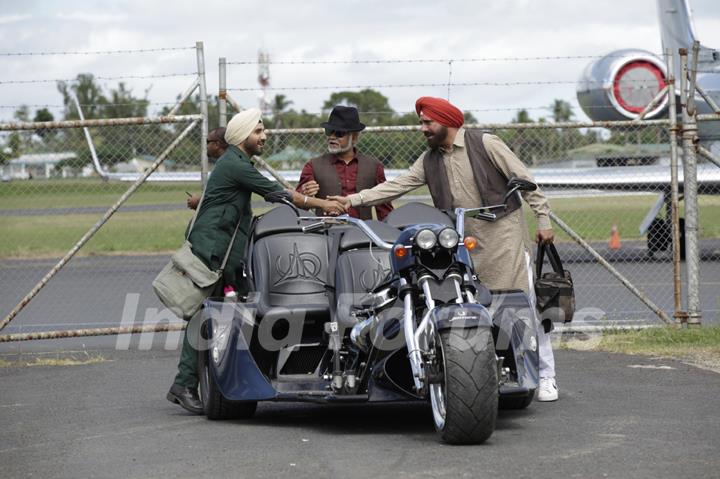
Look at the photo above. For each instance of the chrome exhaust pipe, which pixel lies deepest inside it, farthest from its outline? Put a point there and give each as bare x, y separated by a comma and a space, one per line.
359, 333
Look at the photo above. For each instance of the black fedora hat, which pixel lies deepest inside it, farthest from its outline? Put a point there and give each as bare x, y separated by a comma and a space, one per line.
343, 118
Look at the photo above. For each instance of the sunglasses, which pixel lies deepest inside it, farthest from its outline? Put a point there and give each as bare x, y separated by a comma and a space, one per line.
212, 141
338, 134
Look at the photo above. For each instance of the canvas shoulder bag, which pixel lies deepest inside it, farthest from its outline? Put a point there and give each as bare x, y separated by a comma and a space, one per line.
185, 282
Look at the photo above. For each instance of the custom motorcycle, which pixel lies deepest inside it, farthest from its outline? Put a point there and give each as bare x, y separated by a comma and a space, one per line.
344, 310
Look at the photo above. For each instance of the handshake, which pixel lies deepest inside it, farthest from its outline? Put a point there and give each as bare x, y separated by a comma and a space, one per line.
333, 205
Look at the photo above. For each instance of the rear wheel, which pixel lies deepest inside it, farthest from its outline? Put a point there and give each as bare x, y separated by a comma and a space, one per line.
214, 403
465, 399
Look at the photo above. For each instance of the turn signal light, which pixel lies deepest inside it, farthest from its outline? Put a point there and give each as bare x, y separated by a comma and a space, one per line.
470, 242
400, 251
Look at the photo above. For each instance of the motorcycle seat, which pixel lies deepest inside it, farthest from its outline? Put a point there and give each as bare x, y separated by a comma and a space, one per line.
281, 219
290, 271
417, 213
358, 272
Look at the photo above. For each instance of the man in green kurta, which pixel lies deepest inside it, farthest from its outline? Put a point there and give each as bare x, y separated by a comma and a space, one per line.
225, 204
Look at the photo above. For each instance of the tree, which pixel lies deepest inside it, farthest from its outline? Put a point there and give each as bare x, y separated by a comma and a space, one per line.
22, 113
88, 93
43, 115
469, 118
374, 105
279, 105
522, 116
561, 110
122, 103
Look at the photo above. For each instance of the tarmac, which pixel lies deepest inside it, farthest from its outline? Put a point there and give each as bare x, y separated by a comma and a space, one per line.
618, 417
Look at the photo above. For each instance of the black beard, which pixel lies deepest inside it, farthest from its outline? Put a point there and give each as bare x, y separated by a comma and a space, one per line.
436, 140
253, 150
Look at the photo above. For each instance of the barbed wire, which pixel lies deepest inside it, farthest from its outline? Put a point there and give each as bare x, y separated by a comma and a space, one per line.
426, 85
124, 77
91, 105
362, 112
95, 52
422, 60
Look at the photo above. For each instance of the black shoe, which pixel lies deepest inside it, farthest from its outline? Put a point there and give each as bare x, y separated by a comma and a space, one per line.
185, 397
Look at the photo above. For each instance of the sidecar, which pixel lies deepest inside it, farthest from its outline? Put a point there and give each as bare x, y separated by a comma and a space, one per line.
280, 341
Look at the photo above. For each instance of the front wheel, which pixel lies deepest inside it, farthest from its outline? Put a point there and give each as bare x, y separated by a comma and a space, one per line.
214, 403
465, 399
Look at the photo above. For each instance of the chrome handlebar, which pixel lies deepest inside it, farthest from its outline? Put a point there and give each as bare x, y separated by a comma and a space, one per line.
322, 221
481, 213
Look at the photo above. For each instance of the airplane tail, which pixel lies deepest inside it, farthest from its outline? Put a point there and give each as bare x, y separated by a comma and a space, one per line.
677, 31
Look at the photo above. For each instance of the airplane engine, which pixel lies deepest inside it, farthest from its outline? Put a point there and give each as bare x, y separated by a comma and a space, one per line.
621, 84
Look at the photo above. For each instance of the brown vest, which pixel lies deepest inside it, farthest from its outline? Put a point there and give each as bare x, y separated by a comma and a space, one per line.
491, 182
327, 178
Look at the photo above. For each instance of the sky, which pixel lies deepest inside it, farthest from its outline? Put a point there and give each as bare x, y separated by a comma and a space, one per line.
350, 31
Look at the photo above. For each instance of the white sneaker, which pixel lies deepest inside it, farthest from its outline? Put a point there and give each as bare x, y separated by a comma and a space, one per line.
547, 390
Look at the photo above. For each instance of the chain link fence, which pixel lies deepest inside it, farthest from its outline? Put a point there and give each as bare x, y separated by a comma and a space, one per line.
51, 205
82, 228
609, 182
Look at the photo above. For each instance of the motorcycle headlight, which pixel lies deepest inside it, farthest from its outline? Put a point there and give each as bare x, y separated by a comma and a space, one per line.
448, 238
425, 239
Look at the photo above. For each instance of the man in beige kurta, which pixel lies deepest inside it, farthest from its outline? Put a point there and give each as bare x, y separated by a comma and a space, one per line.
502, 258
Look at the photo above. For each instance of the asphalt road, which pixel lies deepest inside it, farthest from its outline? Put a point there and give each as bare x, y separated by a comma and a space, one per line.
618, 417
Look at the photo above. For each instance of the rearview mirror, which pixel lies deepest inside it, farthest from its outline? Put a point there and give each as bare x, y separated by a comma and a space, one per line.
519, 184
282, 196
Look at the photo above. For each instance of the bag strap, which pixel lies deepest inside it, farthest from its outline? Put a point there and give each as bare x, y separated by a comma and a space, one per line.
197, 210
553, 256
232, 241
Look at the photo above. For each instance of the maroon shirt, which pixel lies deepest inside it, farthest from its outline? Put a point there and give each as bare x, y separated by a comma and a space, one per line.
348, 179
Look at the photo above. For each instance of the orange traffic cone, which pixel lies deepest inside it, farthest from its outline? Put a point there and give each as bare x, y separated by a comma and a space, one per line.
614, 242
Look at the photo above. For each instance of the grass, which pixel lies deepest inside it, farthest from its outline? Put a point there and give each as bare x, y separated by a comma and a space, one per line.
87, 192
697, 345
162, 231
593, 218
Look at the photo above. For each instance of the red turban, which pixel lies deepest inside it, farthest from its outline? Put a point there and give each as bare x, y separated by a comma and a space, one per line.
440, 110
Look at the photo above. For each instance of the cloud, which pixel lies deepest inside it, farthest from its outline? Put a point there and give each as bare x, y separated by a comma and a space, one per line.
93, 17
360, 30
13, 18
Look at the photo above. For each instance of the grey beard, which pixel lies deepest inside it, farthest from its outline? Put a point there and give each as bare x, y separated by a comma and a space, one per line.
338, 150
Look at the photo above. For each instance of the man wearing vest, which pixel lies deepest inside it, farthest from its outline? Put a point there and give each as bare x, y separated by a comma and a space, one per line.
343, 171
470, 168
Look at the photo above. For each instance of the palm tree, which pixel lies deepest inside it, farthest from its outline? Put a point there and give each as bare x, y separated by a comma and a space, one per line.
279, 105
561, 110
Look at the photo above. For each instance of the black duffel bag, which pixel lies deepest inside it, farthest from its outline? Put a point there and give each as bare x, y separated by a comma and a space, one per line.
553, 290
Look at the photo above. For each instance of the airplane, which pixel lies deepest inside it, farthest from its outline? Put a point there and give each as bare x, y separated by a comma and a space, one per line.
619, 87
622, 83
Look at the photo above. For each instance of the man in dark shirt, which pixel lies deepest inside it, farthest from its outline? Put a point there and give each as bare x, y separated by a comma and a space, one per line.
343, 170
216, 146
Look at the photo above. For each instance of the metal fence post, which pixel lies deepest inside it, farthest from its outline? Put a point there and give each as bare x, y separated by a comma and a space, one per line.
680, 315
689, 136
204, 112
222, 77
